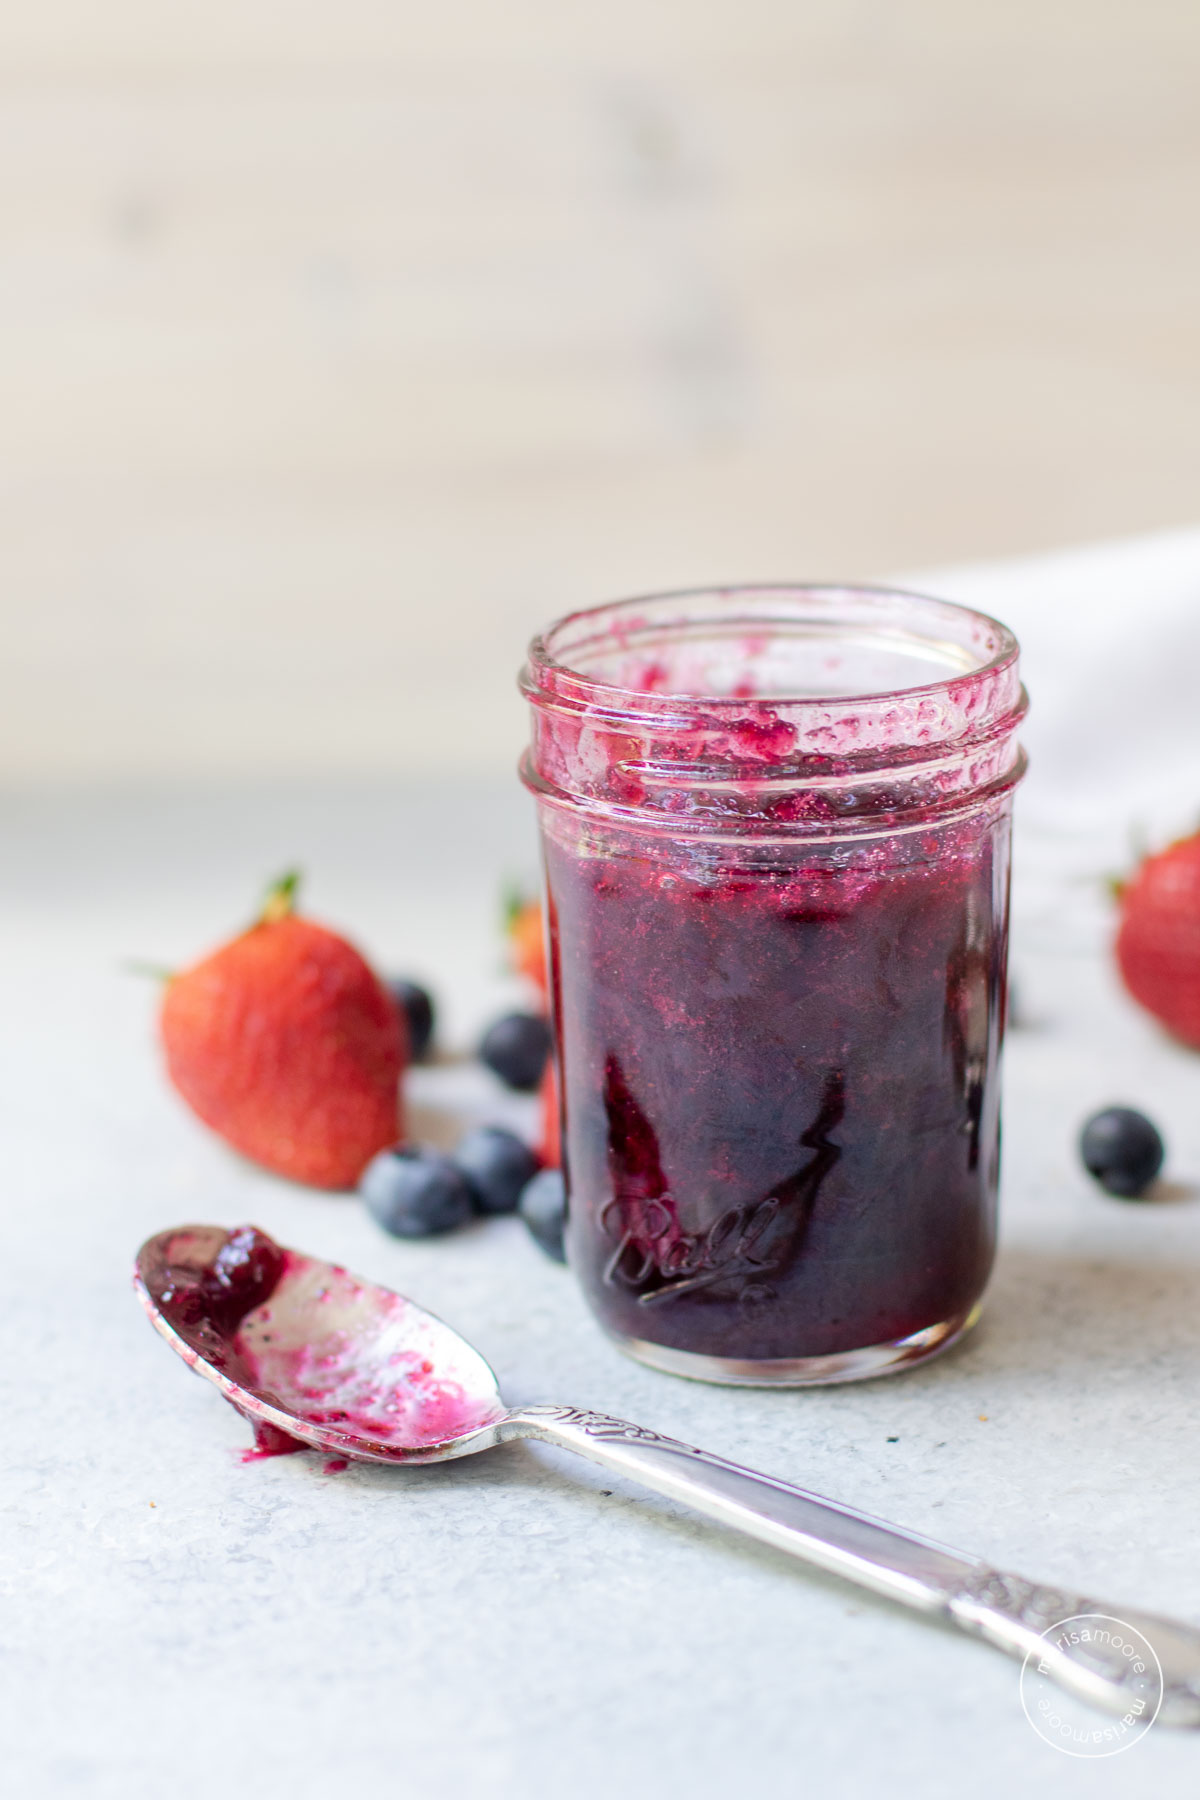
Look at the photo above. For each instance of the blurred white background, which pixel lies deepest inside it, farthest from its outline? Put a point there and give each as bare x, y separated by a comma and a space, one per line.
340, 346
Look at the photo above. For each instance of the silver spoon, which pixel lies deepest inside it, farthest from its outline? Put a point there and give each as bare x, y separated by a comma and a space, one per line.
308, 1351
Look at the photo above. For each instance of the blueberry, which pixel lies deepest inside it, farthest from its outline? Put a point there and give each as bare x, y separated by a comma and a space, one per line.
416, 1003
415, 1193
516, 1048
543, 1206
1122, 1149
497, 1165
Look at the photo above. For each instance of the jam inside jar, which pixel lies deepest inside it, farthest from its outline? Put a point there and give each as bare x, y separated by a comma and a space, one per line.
775, 825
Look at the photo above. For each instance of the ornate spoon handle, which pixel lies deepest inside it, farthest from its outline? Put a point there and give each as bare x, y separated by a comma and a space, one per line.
1005, 1610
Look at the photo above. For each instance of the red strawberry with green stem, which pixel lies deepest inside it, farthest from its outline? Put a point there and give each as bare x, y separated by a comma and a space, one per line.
287, 1043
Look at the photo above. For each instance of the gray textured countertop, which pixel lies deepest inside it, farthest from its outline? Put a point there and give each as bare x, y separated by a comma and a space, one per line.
177, 1621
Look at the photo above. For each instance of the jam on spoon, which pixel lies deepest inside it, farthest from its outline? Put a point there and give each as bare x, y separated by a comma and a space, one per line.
290, 1339
358, 1371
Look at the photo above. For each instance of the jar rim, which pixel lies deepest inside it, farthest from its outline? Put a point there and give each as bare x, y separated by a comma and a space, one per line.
547, 670
619, 732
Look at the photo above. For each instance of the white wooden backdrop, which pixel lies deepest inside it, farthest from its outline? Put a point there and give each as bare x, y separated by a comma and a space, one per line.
342, 344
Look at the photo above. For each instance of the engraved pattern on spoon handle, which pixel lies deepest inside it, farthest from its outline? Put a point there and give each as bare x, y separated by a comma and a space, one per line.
1014, 1614
1004, 1609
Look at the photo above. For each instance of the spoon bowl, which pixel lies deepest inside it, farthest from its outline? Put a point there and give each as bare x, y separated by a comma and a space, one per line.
325, 1358
304, 1349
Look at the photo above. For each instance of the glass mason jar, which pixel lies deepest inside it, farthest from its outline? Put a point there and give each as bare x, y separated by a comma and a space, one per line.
775, 823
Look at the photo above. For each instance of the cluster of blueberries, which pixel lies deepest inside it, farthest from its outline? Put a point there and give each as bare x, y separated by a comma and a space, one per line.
415, 1193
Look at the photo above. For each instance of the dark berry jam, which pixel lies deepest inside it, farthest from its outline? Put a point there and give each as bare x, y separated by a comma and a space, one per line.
206, 1282
780, 1094
776, 827
244, 1272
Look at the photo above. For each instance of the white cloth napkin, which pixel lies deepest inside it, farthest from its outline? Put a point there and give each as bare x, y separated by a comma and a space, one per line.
1110, 640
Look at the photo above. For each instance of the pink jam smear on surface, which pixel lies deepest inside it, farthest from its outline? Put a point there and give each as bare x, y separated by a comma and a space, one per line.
269, 1441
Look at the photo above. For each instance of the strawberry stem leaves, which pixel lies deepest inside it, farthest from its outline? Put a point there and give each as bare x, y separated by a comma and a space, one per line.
514, 900
279, 902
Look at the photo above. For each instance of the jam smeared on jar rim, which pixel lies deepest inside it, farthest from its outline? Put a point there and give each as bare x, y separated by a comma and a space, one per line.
310, 1340
807, 710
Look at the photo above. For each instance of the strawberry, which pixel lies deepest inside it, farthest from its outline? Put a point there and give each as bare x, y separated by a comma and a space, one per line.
527, 950
1158, 944
527, 941
549, 1147
289, 1046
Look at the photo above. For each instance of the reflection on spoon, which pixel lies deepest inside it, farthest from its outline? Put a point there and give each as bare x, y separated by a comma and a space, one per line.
306, 1350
